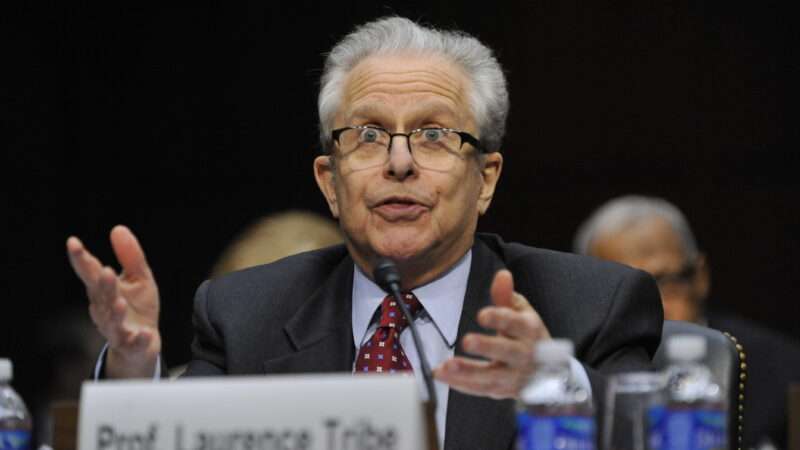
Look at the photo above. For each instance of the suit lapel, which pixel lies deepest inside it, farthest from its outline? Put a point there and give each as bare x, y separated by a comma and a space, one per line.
321, 331
478, 422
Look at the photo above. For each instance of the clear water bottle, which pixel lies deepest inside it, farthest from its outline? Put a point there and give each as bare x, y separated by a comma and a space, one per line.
696, 412
15, 421
552, 411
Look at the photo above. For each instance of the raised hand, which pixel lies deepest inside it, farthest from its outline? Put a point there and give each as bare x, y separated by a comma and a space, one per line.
509, 354
124, 306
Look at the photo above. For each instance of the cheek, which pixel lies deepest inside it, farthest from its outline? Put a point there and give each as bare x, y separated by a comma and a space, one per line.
350, 199
461, 196
456, 211
676, 307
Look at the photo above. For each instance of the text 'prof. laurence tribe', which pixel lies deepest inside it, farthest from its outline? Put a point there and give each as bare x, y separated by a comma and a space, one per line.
361, 435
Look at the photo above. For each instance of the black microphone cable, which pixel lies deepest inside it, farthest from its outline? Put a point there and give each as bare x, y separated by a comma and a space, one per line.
387, 276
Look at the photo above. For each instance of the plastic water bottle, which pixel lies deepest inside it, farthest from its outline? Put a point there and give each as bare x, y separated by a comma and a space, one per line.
15, 421
553, 412
696, 412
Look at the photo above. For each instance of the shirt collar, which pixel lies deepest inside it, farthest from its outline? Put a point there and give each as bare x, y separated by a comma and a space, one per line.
443, 300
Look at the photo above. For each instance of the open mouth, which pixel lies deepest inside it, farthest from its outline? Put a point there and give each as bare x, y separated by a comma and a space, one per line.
399, 208
400, 201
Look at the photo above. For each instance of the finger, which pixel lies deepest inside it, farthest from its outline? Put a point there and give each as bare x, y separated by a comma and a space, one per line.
109, 306
85, 265
129, 253
526, 324
108, 282
512, 352
107, 289
502, 290
141, 340
121, 332
124, 338
133, 338
481, 378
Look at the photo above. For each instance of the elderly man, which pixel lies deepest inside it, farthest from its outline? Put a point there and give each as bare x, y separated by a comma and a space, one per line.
411, 123
653, 235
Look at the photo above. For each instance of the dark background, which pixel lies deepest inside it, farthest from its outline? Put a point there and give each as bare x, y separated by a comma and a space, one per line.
188, 123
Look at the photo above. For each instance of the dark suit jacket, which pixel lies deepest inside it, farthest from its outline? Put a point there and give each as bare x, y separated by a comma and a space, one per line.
773, 363
294, 316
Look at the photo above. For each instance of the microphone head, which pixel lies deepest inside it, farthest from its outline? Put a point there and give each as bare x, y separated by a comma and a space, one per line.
387, 276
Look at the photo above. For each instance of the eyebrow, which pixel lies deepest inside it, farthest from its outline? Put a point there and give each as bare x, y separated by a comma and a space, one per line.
367, 111
428, 110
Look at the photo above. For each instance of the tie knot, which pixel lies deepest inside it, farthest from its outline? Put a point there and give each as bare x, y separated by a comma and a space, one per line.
391, 314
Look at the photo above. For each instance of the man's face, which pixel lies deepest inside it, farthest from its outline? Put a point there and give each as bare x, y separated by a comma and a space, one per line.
422, 219
653, 246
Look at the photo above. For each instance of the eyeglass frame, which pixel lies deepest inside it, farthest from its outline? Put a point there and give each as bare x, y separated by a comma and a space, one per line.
463, 135
683, 276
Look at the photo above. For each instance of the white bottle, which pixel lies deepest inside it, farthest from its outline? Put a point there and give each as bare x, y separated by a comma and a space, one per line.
15, 421
552, 411
696, 412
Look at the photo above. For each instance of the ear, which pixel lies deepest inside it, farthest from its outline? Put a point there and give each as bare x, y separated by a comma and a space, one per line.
326, 180
490, 174
701, 283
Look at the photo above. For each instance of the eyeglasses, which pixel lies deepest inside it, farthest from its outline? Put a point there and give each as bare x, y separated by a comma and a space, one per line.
438, 149
678, 279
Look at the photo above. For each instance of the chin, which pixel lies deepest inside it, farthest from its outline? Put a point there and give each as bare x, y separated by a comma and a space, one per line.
402, 247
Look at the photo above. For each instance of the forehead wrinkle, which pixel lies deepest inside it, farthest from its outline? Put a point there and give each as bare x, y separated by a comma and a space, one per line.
366, 111
409, 81
378, 85
374, 102
437, 111
378, 107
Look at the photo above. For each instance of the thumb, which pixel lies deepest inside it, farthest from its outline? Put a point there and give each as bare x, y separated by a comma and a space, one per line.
502, 290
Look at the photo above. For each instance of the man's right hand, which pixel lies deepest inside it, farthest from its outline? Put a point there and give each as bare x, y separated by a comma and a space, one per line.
124, 307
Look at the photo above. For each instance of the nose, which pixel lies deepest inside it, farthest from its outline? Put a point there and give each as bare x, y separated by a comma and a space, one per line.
401, 163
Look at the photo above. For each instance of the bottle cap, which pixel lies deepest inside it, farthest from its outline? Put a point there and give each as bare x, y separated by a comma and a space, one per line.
686, 347
554, 350
6, 370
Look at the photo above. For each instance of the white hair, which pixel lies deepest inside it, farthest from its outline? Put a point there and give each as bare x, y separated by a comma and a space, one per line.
623, 212
488, 96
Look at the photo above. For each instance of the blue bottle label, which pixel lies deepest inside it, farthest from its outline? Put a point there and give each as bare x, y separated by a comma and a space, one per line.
694, 429
15, 439
656, 418
555, 432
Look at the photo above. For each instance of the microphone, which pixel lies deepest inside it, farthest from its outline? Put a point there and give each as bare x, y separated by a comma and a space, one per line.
387, 276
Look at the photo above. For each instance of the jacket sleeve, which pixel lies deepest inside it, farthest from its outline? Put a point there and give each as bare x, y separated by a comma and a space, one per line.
208, 351
629, 335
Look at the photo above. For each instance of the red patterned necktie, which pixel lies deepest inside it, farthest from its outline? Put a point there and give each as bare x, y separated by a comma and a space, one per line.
383, 353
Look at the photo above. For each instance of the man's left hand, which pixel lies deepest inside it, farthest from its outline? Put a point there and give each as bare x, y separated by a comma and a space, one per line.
509, 361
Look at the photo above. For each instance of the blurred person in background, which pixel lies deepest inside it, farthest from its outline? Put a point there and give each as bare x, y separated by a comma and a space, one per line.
269, 239
653, 235
68, 343
277, 236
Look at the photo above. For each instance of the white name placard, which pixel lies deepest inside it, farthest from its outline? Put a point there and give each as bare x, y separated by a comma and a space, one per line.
320, 412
